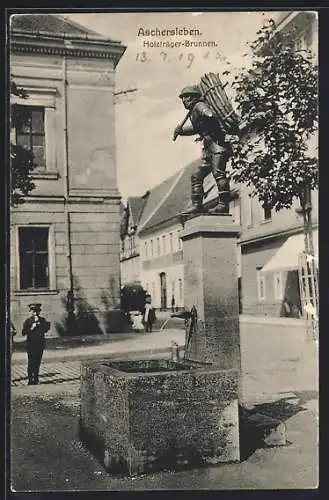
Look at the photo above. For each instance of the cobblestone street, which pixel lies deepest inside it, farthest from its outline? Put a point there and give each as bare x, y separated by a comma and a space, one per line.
60, 372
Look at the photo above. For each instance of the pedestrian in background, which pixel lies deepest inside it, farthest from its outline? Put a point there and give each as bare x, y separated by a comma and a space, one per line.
35, 328
137, 321
148, 315
173, 304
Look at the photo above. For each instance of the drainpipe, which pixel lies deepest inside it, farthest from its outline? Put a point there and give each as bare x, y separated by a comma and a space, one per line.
70, 293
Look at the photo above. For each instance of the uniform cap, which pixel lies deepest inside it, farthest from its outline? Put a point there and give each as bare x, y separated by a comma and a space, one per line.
36, 306
190, 90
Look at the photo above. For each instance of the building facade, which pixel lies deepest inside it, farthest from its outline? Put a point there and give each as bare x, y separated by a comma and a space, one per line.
65, 237
130, 245
271, 241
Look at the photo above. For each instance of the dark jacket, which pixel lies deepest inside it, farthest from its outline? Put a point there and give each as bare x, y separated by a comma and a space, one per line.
151, 317
35, 336
206, 123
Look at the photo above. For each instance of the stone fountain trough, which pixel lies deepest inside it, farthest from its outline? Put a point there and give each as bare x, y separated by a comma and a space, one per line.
143, 416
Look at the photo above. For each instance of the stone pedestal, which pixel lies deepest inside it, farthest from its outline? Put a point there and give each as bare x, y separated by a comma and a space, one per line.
211, 285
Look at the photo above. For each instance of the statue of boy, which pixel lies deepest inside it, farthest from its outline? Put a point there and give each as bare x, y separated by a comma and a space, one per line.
215, 151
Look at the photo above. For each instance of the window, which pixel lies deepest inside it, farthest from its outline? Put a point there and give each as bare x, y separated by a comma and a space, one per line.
180, 291
33, 258
171, 243
31, 132
164, 244
249, 214
151, 248
298, 44
39, 131
158, 246
180, 244
261, 285
145, 249
303, 42
277, 281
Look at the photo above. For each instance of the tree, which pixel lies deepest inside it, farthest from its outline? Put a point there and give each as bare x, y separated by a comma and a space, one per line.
280, 88
21, 160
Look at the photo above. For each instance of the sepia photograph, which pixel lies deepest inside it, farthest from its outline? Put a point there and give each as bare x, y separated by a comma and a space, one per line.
163, 296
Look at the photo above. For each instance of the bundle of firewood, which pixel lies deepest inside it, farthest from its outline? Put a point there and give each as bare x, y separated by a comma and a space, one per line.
214, 94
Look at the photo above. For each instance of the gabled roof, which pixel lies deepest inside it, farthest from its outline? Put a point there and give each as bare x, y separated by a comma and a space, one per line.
155, 197
49, 23
168, 199
136, 204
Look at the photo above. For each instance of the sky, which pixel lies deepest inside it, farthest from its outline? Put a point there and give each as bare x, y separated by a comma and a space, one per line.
146, 154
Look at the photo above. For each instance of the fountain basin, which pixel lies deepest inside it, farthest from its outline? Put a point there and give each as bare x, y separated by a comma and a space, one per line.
143, 416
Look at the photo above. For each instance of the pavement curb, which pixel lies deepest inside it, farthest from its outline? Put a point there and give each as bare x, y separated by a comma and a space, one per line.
271, 321
93, 356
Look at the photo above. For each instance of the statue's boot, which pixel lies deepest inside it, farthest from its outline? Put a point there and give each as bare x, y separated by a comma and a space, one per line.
196, 196
195, 209
223, 204
222, 207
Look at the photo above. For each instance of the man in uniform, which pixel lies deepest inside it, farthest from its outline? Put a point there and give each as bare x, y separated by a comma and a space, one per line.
35, 328
215, 151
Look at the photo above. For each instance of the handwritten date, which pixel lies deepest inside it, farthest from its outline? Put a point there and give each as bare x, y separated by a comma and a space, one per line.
186, 59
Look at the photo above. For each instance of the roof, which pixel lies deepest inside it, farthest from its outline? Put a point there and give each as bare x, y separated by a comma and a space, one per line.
52, 24
136, 204
53, 34
154, 197
49, 23
168, 199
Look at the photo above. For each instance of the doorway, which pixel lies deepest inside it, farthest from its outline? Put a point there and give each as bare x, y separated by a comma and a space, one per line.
291, 305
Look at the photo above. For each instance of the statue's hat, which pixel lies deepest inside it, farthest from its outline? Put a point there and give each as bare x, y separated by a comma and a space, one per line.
190, 90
